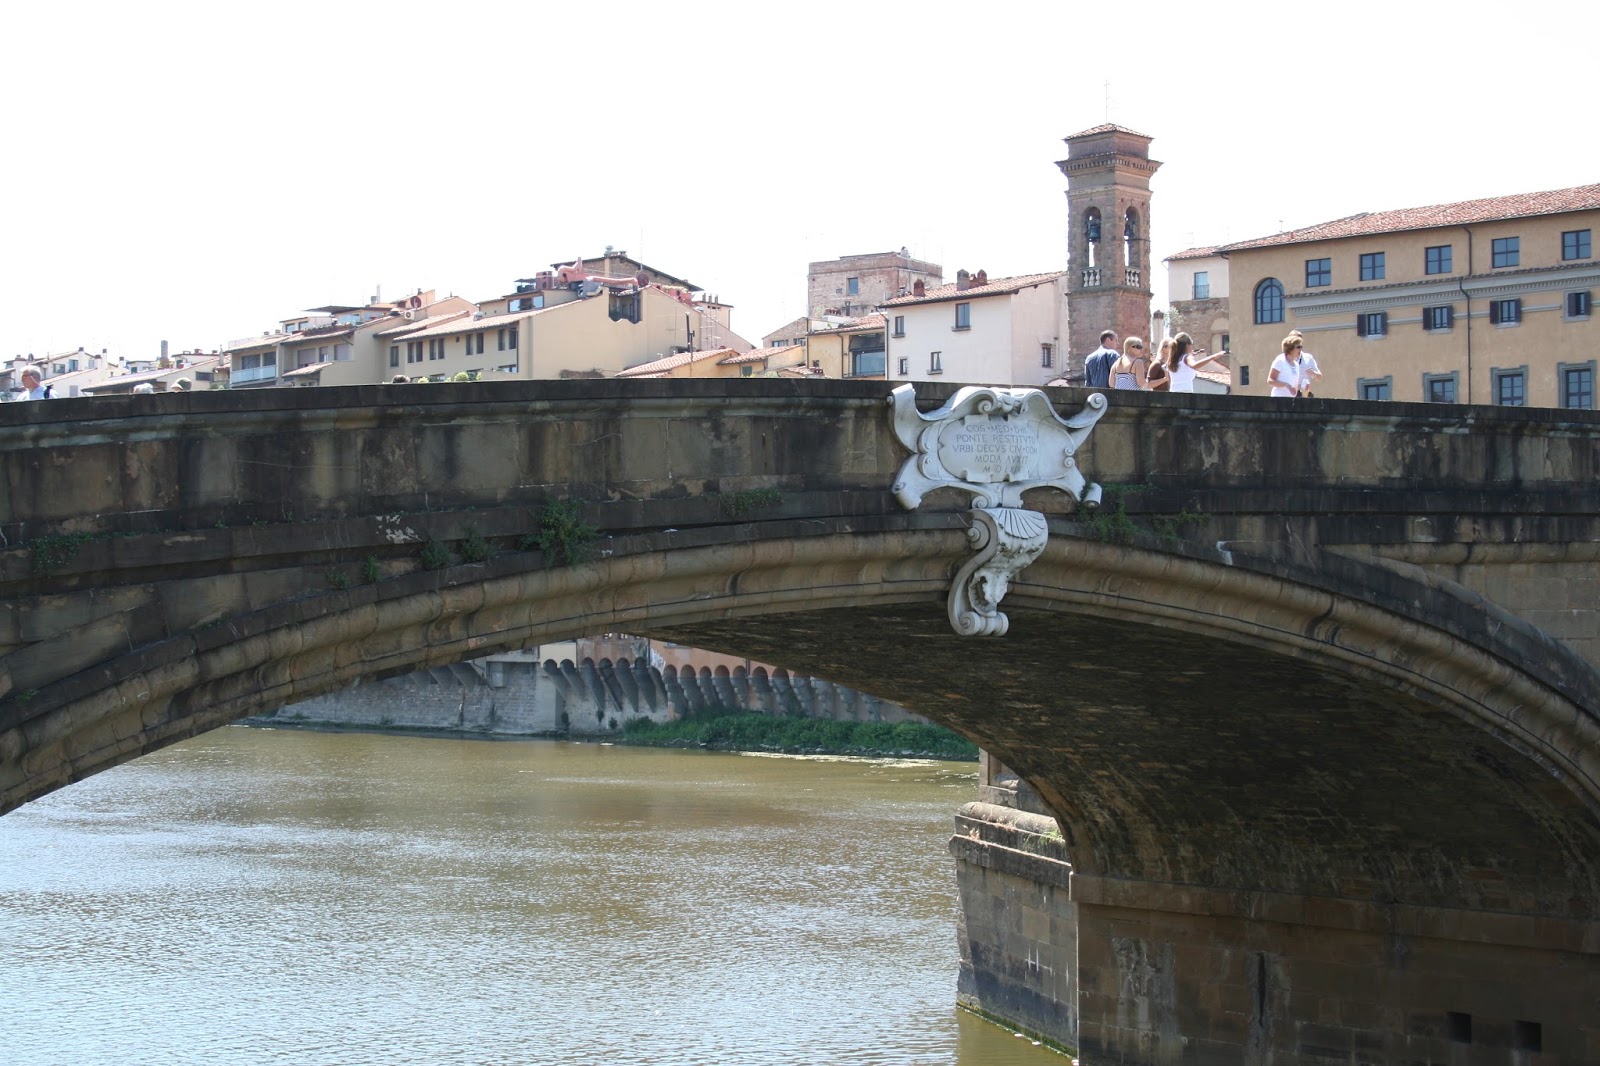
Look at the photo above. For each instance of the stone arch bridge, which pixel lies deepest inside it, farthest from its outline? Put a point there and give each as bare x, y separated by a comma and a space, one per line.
1312, 696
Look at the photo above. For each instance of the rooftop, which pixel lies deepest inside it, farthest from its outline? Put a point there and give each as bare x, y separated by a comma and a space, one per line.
659, 367
1467, 212
994, 287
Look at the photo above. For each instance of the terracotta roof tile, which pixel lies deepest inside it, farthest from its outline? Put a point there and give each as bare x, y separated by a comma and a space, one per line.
864, 324
1193, 253
996, 287
660, 366
1492, 209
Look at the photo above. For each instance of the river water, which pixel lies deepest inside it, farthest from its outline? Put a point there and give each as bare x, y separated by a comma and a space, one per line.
271, 896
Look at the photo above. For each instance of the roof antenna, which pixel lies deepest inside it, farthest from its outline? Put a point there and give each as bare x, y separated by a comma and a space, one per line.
1108, 99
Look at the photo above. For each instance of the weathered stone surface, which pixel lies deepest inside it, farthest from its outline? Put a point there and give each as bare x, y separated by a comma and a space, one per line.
1313, 699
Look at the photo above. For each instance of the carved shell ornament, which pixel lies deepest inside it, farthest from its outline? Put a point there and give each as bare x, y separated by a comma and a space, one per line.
994, 444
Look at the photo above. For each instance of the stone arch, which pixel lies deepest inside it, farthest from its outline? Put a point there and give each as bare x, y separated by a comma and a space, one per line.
1509, 681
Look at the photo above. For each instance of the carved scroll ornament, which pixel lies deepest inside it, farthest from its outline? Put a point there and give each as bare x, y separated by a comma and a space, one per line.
994, 444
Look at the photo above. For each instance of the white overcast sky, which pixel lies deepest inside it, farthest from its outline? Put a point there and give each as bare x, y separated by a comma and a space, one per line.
196, 172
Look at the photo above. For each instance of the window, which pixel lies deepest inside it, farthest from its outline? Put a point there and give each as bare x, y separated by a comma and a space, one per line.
1510, 387
1578, 304
1047, 355
500, 340
413, 351
1506, 251
394, 355
1505, 312
1575, 244
1458, 1027
1437, 318
1372, 324
963, 316
1372, 266
1202, 285
513, 339
866, 363
903, 367
436, 348
474, 344
1577, 385
1439, 388
1319, 272
747, 371
1269, 302
1244, 375
1225, 345
1374, 388
852, 286
936, 362
1436, 260
899, 325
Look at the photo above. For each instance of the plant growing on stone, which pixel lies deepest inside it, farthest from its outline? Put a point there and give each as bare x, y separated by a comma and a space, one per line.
434, 555
53, 551
369, 569
474, 548
741, 503
562, 534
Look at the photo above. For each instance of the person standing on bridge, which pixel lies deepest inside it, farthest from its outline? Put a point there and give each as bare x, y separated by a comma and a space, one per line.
1097, 364
1182, 362
1129, 372
1310, 372
33, 387
1155, 375
1288, 371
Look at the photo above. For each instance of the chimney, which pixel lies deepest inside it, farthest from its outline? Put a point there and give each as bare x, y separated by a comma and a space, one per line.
963, 281
918, 288
982, 278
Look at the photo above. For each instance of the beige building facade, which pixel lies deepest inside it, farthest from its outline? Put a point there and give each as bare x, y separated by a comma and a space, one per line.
1197, 292
1485, 301
595, 336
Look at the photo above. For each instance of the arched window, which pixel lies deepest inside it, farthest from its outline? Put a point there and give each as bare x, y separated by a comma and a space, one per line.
1269, 302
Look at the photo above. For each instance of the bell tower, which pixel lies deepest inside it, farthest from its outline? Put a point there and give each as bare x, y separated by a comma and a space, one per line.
1108, 172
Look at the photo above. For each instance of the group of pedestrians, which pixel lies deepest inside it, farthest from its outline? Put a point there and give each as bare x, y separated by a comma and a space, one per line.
1172, 369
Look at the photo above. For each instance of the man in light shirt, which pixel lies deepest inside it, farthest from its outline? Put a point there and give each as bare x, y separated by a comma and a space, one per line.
32, 385
1310, 372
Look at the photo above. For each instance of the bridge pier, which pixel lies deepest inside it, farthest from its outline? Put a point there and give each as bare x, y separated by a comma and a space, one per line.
1170, 974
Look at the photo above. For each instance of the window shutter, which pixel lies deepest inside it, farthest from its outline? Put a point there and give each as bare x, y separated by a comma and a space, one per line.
1450, 317
1383, 323
1427, 318
1494, 313
1361, 325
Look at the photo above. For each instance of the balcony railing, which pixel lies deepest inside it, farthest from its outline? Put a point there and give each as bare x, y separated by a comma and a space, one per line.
1091, 278
255, 373
1133, 274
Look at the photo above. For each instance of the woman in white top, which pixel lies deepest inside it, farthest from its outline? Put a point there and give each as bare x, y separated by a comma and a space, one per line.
1286, 375
1129, 371
1182, 363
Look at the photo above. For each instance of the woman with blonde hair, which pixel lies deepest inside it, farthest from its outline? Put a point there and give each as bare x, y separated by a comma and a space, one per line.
1182, 362
1130, 369
1155, 376
1288, 376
